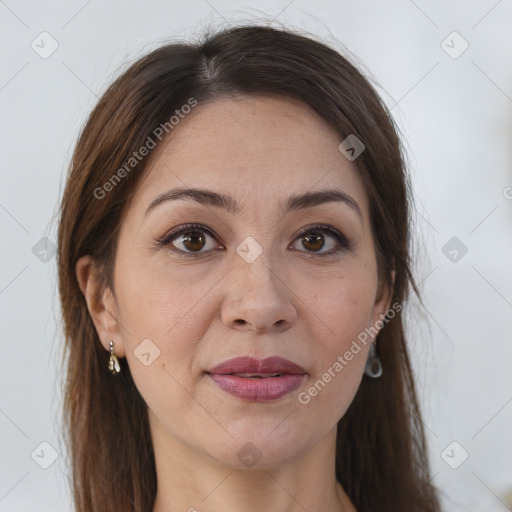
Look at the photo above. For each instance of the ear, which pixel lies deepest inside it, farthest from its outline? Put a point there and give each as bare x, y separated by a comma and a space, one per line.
101, 304
383, 300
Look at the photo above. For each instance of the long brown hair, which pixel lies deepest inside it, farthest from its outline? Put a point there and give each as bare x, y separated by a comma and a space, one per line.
381, 456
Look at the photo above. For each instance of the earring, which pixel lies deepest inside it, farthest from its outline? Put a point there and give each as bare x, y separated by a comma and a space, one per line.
113, 362
373, 367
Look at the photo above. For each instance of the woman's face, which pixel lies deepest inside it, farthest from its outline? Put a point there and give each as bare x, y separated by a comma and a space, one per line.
244, 281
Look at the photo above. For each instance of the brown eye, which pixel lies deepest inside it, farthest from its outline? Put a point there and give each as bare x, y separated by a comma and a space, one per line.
189, 240
193, 241
316, 238
313, 242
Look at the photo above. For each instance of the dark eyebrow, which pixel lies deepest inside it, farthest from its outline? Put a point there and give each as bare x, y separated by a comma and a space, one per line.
299, 202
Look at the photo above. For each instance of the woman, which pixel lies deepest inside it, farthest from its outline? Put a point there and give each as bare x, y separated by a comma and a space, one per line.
233, 263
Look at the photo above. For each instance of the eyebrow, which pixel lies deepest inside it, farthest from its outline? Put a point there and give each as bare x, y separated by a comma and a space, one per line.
218, 200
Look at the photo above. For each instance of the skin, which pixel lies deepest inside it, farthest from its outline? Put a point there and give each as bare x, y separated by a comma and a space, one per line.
201, 311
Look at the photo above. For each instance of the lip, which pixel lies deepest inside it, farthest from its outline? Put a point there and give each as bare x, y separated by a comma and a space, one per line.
258, 389
247, 364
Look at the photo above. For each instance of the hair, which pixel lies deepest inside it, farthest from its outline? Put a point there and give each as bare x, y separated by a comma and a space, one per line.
381, 453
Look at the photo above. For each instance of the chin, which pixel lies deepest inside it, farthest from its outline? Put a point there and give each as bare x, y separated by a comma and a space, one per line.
258, 450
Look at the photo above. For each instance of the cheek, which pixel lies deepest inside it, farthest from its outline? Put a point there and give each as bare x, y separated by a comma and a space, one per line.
157, 302
160, 321
344, 307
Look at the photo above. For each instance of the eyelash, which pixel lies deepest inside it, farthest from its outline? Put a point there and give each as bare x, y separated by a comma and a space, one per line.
344, 244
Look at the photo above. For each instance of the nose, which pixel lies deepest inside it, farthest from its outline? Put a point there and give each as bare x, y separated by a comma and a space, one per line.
257, 297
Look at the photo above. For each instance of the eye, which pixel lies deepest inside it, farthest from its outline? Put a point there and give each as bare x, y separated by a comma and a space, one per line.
191, 239
313, 240
188, 240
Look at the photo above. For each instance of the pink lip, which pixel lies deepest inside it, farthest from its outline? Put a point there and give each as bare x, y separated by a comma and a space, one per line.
258, 389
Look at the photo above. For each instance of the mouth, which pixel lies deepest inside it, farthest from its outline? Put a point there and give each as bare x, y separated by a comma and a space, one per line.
258, 380
255, 376
247, 366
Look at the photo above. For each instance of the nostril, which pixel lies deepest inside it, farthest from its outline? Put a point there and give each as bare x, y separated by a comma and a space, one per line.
240, 321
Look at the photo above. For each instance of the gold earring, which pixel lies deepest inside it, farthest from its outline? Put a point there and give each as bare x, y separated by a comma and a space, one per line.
113, 362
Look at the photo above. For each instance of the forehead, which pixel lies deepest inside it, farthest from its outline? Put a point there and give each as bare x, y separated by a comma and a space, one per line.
252, 148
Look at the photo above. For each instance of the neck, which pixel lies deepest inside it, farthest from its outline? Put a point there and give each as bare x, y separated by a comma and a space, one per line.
195, 482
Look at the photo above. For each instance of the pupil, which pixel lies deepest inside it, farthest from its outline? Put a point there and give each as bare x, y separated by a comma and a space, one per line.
315, 241
192, 239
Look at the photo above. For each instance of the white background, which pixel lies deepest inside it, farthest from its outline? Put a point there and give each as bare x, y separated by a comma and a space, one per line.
455, 114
